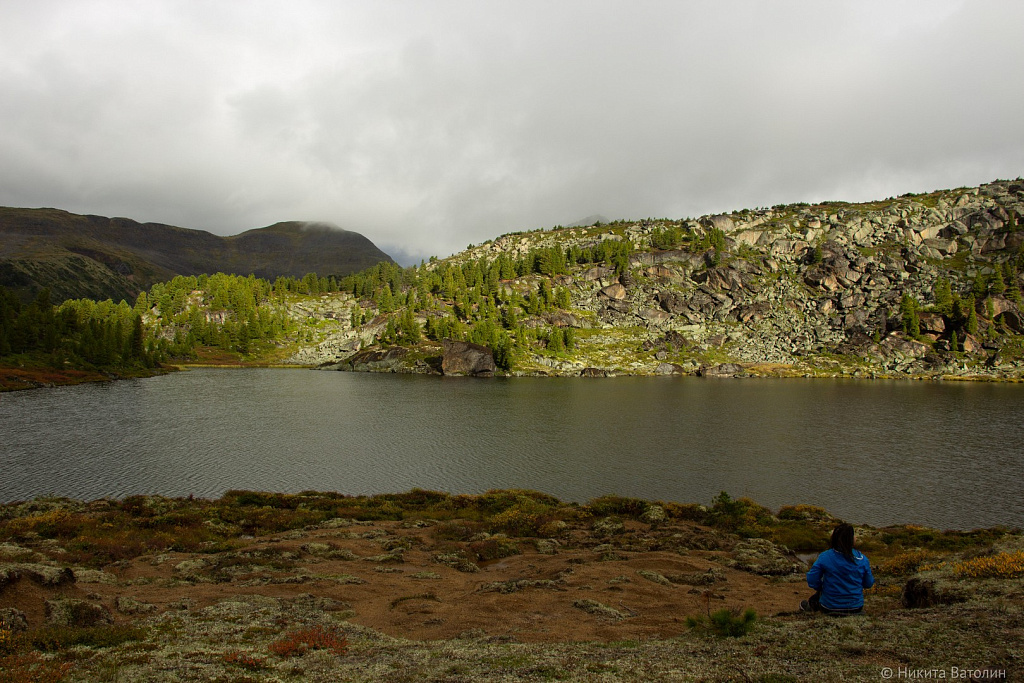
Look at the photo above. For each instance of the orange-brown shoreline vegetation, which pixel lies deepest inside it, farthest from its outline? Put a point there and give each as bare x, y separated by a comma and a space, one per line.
13, 378
108, 530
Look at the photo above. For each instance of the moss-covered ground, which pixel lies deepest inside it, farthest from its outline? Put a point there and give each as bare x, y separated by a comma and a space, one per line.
402, 587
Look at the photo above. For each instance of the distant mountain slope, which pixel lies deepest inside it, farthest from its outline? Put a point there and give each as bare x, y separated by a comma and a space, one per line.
99, 258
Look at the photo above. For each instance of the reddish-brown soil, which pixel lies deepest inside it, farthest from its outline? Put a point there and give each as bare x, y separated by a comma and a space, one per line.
395, 601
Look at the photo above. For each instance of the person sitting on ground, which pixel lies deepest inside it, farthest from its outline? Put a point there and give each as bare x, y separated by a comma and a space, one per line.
839, 577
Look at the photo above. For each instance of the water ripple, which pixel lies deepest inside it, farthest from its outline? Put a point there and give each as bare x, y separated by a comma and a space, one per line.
874, 452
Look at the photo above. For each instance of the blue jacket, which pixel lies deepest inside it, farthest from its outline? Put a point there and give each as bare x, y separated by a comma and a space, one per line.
841, 581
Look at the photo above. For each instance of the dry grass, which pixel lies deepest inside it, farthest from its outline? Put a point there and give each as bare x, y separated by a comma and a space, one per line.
1001, 566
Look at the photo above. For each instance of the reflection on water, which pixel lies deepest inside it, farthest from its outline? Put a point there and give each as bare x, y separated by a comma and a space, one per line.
946, 455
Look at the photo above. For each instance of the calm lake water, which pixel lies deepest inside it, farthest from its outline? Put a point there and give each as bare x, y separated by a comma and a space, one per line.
941, 454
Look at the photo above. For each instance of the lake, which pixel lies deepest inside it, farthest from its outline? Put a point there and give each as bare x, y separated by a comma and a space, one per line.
876, 452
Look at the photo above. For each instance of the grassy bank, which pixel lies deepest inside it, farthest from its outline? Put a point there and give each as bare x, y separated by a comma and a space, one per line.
17, 377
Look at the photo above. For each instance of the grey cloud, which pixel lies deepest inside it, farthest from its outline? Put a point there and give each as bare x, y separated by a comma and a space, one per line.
428, 126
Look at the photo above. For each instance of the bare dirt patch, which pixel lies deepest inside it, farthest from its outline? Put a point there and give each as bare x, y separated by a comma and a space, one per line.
395, 584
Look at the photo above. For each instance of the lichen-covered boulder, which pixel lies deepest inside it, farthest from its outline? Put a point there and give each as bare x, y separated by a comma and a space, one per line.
609, 526
761, 556
614, 291
464, 358
72, 612
129, 605
722, 370
653, 514
42, 574
376, 360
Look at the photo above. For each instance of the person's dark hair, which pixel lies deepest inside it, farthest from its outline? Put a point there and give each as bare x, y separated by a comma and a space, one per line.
842, 541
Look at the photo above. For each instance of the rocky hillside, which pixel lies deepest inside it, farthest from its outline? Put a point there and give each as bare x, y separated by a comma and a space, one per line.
919, 285
99, 258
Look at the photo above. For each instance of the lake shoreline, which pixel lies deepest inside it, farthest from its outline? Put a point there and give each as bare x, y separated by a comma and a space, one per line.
19, 378
15, 378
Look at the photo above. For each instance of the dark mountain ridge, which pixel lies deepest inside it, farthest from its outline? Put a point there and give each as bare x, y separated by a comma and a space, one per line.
99, 257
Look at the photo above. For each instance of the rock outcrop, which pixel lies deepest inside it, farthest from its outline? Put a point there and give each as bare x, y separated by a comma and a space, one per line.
463, 358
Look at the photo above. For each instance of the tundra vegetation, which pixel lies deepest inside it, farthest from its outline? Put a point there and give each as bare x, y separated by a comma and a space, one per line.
519, 586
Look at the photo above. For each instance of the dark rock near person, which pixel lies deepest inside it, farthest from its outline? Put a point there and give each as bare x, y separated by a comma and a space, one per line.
919, 593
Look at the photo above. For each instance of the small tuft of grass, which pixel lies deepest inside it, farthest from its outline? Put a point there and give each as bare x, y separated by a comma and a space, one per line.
245, 661
725, 623
598, 609
297, 643
57, 638
419, 596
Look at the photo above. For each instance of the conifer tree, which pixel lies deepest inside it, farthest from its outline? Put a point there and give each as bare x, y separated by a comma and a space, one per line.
556, 341
943, 296
410, 329
911, 321
137, 339
998, 285
972, 318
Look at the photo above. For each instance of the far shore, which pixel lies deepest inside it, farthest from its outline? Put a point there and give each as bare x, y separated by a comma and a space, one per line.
16, 378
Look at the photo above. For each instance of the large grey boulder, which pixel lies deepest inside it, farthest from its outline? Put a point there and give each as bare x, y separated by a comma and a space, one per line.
761, 556
723, 223
41, 574
463, 358
722, 370
376, 360
672, 302
615, 291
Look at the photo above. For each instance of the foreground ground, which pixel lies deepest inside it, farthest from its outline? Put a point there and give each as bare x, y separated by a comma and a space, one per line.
510, 585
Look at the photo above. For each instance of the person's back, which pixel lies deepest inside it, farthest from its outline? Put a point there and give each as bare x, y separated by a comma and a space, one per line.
839, 575
841, 580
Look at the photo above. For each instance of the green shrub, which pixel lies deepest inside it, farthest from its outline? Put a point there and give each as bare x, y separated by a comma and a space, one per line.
456, 530
495, 501
742, 516
517, 521
617, 505
725, 623
55, 638
800, 536
495, 548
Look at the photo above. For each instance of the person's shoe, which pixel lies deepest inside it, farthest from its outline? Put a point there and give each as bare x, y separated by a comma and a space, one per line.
805, 606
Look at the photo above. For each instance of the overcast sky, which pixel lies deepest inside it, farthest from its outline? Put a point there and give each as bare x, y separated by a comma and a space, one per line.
430, 125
